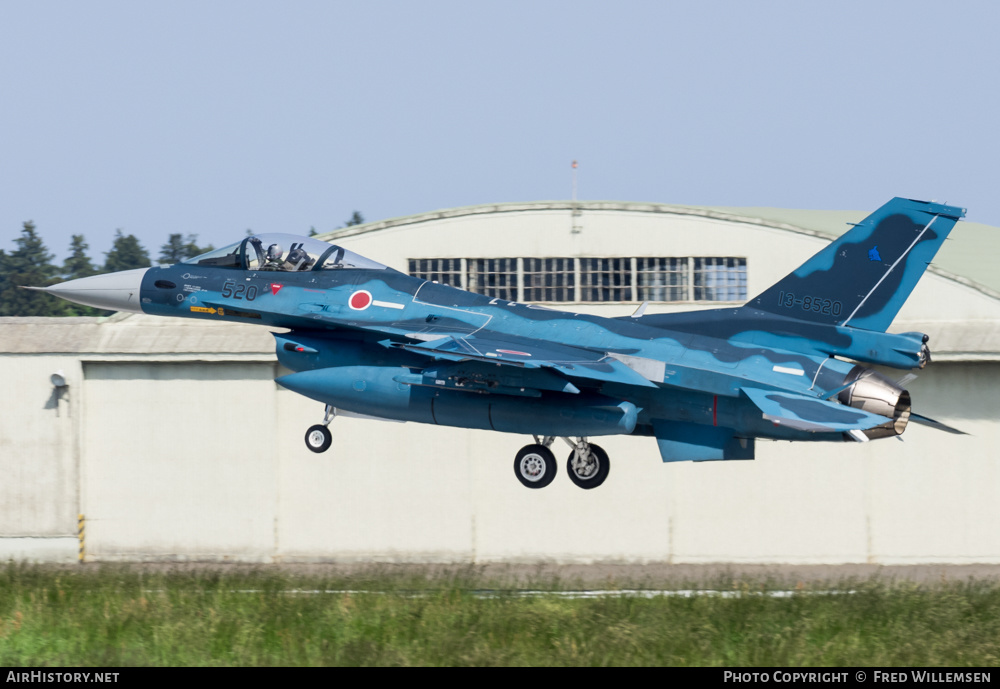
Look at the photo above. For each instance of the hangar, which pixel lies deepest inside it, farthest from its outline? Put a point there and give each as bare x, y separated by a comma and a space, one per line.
141, 438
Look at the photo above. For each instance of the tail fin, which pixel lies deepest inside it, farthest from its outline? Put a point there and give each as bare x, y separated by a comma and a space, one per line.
863, 278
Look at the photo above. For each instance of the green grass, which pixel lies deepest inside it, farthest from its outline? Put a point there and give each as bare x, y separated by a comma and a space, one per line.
112, 616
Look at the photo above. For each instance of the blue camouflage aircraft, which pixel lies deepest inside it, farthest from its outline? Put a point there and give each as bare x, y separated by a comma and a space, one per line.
365, 339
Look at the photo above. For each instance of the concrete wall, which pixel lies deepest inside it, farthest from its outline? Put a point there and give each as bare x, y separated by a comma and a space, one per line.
39, 467
179, 458
205, 461
417, 492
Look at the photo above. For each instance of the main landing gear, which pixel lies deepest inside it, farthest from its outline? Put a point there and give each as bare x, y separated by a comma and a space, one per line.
535, 465
318, 437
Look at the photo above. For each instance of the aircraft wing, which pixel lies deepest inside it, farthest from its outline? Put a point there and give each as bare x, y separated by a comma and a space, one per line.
525, 353
810, 414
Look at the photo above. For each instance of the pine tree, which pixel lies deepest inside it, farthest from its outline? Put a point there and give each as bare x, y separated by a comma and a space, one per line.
126, 254
194, 249
29, 264
79, 265
356, 219
173, 251
178, 248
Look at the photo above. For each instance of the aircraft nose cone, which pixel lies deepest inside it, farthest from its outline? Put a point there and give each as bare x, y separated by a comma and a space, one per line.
114, 291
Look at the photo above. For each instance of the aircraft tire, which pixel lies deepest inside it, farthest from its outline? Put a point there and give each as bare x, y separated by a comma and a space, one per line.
319, 438
535, 466
598, 474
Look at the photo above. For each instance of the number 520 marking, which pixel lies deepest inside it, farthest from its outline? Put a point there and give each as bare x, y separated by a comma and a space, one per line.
240, 291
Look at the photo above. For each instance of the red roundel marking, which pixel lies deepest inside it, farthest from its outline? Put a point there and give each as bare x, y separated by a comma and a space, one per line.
360, 300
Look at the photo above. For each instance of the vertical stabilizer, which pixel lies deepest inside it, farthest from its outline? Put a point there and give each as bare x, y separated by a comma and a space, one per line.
863, 278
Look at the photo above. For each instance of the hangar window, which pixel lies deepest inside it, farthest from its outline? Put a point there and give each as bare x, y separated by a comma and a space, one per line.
447, 271
606, 279
720, 279
663, 279
549, 279
592, 280
494, 277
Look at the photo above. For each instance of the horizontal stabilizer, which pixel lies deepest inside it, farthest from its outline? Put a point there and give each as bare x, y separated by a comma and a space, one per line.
809, 414
931, 423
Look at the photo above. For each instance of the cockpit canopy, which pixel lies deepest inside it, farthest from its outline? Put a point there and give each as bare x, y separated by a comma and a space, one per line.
283, 252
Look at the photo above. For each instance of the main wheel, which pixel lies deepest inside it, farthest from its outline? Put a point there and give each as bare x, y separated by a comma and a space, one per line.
592, 471
319, 438
535, 466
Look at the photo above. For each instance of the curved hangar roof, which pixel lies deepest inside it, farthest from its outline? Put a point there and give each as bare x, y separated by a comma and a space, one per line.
967, 257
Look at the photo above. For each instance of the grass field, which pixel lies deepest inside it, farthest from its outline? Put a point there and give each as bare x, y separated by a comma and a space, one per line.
112, 616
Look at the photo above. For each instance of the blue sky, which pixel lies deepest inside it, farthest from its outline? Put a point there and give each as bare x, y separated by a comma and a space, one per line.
212, 117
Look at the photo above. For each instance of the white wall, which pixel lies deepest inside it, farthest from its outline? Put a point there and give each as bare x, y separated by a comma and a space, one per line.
178, 460
38, 446
205, 461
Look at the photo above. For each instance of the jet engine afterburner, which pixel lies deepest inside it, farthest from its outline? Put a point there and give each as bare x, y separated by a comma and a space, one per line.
875, 393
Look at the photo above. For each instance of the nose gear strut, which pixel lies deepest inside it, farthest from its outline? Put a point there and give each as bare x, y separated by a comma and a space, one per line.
318, 437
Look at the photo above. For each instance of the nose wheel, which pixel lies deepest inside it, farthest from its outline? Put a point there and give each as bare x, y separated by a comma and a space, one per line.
318, 437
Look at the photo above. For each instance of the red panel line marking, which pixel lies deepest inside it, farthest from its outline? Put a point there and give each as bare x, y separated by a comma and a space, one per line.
715, 410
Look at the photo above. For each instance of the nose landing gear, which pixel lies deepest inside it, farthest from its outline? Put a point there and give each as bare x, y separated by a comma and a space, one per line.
318, 437
535, 465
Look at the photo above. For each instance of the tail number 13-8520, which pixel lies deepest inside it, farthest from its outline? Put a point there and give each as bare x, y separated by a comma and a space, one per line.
808, 303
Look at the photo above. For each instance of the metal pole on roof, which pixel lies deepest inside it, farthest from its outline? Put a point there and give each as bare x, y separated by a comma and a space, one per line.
576, 210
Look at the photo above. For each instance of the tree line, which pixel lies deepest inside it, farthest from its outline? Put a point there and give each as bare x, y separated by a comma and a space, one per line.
31, 264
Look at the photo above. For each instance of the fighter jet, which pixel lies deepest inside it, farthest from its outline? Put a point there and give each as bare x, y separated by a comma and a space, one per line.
365, 339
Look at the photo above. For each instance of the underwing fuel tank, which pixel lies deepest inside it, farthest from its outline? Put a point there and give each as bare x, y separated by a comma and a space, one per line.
377, 391
873, 392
